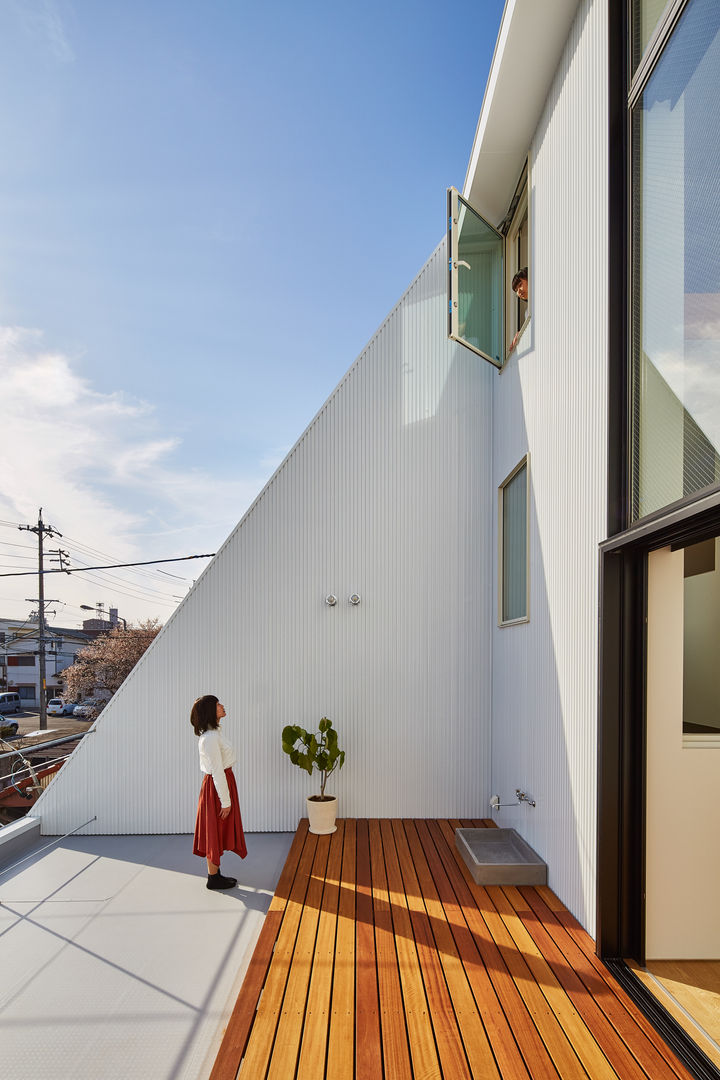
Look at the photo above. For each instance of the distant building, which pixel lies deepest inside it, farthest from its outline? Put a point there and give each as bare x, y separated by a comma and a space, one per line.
19, 662
99, 625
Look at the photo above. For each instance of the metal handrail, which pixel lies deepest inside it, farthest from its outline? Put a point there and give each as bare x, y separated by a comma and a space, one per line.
28, 747
40, 765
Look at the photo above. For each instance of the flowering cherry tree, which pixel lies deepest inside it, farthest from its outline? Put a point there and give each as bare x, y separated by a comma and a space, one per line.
102, 666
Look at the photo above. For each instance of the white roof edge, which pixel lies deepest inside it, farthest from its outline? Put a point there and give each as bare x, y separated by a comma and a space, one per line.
529, 47
488, 94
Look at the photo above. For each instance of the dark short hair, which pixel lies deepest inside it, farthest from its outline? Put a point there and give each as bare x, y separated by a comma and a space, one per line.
520, 276
203, 715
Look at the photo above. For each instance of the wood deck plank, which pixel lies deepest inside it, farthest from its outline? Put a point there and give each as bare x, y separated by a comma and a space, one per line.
441, 964
547, 1023
396, 1052
423, 1051
578, 933
368, 1044
341, 1043
235, 1039
437, 890
284, 1058
381, 957
605, 1035
515, 1008
598, 986
316, 1023
584, 1044
262, 1034
449, 1010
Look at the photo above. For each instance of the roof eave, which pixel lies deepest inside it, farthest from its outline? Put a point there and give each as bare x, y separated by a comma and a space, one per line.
528, 49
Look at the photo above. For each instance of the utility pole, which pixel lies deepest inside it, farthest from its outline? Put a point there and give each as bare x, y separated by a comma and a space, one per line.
41, 530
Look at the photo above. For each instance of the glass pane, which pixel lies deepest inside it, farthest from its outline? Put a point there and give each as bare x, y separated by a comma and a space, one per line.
520, 255
676, 267
645, 17
701, 637
514, 547
479, 261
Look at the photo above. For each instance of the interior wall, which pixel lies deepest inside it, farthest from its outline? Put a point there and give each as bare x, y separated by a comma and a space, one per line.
682, 876
550, 401
388, 495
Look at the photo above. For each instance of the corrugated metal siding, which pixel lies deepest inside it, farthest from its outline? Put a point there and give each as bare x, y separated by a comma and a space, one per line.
387, 494
551, 401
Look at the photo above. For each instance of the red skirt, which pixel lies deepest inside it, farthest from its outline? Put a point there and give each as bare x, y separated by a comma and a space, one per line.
212, 834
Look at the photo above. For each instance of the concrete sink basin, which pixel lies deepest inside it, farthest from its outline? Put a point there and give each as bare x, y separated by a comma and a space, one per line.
500, 857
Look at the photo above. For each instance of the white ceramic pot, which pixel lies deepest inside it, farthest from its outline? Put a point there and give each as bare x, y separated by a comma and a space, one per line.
322, 814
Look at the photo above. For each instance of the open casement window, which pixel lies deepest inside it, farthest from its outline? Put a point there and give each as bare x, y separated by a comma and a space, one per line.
483, 312
476, 280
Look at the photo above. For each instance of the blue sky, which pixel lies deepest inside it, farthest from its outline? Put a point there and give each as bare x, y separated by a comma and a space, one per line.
206, 210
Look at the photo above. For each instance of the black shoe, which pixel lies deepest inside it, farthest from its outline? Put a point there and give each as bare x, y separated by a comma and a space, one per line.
217, 881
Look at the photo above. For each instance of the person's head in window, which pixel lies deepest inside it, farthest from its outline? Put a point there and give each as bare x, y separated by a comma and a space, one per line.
519, 284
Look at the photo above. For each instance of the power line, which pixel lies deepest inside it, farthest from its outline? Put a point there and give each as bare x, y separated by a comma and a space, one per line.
119, 590
149, 590
106, 555
97, 551
111, 566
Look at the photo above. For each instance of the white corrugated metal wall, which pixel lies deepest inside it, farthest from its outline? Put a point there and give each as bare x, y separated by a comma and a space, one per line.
387, 494
551, 401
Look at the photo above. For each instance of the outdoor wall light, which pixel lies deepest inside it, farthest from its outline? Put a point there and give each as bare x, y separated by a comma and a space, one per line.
354, 599
331, 600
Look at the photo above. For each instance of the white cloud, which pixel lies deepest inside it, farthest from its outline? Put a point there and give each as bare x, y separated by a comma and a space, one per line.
43, 18
106, 476
693, 374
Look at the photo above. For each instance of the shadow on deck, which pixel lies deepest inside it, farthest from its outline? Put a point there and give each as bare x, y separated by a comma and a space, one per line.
381, 957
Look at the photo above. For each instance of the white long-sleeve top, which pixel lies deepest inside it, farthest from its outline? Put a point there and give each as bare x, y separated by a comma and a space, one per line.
217, 755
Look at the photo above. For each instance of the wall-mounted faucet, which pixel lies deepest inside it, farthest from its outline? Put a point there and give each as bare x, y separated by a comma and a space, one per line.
495, 803
521, 797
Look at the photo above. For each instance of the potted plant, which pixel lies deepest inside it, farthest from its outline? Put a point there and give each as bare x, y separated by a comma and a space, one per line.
319, 751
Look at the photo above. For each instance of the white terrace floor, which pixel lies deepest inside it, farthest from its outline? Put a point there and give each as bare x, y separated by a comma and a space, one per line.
116, 961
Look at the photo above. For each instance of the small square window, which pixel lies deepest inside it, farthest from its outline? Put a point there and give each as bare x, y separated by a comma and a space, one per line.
513, 547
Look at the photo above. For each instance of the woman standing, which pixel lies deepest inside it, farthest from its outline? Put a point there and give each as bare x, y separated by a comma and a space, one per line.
218, 826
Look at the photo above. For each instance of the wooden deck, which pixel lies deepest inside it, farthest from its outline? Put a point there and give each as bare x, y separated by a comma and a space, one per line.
380, 957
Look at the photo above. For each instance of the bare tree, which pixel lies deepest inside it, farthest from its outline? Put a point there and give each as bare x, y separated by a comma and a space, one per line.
102, 666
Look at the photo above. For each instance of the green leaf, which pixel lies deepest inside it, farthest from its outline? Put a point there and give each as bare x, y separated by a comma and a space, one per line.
309, 751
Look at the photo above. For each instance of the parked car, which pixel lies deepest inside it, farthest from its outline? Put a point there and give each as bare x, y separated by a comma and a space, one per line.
10, 702
58, 707
8, 728
88, 710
